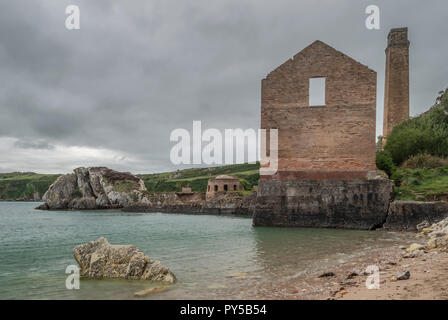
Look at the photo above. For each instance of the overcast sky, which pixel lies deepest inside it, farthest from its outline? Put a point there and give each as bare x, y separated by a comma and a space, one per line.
110, 93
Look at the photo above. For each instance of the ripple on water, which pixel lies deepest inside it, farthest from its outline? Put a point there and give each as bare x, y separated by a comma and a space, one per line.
37, 246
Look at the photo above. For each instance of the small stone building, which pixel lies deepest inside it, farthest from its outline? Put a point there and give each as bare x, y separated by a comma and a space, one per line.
223, 183
186, 190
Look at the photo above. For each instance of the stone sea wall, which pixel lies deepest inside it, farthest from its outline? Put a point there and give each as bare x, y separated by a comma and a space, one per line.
169, 202
406, 215
220, 203
352, 204
365, 203
230, 203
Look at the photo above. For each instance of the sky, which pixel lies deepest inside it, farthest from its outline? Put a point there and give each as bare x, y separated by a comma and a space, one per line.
111, 93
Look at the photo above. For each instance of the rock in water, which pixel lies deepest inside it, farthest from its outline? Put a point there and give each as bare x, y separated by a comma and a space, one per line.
99, 259
93, 188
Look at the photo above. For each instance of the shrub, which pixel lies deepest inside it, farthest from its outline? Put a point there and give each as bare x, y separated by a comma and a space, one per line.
245, 184
384, 162
125, 185
427, 133
424, 160
76, 193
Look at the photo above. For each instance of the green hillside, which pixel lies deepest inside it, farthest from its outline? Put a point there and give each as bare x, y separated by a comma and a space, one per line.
423, 184
197, 178
416, 154
24, 185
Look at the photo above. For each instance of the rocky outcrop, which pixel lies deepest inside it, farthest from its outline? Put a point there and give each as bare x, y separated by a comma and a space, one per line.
354, 204
99, 259
407, 215
93, 188
436, 236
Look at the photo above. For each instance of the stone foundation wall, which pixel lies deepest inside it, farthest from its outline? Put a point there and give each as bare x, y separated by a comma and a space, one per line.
230, 202
172, 198
406, 215
352, 204
221, 203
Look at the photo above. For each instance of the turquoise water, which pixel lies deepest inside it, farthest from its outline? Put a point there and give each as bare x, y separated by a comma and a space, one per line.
201, 250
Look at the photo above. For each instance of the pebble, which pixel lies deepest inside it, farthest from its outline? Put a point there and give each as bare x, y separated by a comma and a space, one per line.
415, 247
327, 274
403, 275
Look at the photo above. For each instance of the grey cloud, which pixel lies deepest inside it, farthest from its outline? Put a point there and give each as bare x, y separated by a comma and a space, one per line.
25, 144
137, 70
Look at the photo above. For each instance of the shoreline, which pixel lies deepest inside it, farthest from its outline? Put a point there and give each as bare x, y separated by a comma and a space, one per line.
1, 200
294, 279
348, 275
347, 281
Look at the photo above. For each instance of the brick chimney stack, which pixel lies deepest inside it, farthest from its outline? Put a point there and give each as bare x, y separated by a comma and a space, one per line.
396, 95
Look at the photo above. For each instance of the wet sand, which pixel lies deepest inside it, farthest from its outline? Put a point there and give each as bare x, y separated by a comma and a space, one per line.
428, 280
347, 281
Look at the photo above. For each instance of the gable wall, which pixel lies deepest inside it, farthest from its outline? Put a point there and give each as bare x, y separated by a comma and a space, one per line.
339, 136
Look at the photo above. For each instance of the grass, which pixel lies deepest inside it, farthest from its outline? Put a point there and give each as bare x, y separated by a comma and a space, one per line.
422, 184
125, 186
23, 185
197, 178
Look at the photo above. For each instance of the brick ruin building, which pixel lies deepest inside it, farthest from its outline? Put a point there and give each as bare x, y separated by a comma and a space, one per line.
331, 141
396, 92
326, 149
222, 183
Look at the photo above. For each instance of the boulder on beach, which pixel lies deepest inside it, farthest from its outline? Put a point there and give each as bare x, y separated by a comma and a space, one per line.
415, 247
99, 259
93, 188
436, 235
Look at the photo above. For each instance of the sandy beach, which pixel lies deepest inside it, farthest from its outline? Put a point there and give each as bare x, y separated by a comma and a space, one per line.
428, 280
347, 281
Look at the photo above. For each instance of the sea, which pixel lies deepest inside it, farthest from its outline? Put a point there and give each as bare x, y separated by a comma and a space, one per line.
212, 256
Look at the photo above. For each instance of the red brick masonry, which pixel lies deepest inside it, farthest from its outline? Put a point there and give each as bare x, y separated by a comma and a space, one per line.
313, 140
396, 93
317, 175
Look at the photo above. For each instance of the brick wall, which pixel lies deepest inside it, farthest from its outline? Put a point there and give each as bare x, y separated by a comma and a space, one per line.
396, 94
220, 184
318, 140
